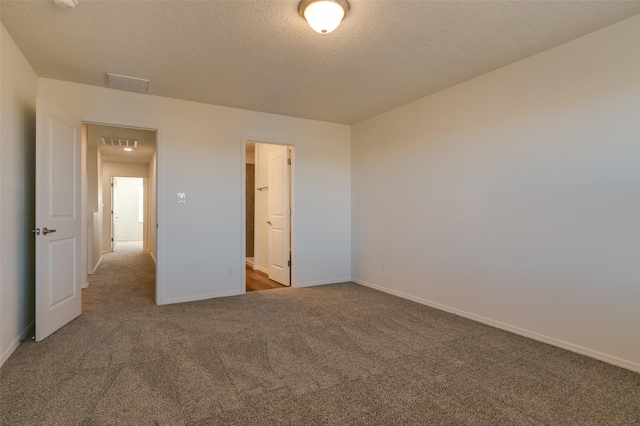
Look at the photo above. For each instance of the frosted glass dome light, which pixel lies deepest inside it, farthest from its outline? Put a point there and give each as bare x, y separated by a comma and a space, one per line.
66, 4
324, 16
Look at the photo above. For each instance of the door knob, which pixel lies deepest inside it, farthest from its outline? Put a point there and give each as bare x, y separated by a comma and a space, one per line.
269, 222
46, 231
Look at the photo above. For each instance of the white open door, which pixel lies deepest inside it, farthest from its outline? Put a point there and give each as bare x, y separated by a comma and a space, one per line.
279, 250
58, 160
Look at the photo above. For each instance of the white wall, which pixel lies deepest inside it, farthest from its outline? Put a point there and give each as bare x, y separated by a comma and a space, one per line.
92, 177
514, 198
98, 217
113, 169
18, 87
94, 222
152, 206
200, 152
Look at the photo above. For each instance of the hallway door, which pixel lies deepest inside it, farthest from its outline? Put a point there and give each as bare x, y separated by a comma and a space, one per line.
114, 214
58, 212
128, 207
279, 239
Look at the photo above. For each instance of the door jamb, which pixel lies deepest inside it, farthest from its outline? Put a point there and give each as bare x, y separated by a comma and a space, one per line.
243, 238
113, 214
84, 196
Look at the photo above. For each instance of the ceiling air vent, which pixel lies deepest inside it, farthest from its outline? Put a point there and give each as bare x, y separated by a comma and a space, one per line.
124, 143
123, 82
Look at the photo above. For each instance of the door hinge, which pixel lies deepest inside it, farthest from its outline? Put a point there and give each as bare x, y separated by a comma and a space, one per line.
112, 240
288, 161
288, 263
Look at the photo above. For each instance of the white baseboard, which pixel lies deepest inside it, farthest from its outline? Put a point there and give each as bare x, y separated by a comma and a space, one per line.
629, 365
250, 263
199, 297
153, 257
14, 345
95, 268
317, 283
261, 269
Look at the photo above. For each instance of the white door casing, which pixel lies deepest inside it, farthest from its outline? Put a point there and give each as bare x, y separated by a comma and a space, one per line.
114, 214
58, 210
279, 240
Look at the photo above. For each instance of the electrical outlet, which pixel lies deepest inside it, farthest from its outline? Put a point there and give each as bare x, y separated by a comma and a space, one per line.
383, 267
229, 269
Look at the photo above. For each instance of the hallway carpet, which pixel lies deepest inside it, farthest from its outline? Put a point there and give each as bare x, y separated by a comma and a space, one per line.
125, 279
330, 355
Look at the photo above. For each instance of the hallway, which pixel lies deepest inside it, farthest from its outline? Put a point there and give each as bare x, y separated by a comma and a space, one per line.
124, 279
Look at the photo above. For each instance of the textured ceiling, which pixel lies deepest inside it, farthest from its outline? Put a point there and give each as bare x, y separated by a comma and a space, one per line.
262, 56
142, 154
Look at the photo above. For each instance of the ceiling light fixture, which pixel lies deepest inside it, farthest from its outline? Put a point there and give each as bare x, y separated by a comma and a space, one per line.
66, 4
323, 16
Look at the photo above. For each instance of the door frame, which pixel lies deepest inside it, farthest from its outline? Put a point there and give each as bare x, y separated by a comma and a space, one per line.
114, 226
146, 242
156, 127
292, 194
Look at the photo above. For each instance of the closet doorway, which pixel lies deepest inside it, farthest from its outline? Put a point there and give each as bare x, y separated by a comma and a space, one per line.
128, 212
269, 215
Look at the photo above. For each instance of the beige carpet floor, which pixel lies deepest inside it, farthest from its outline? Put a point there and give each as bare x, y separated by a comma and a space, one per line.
331, 355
